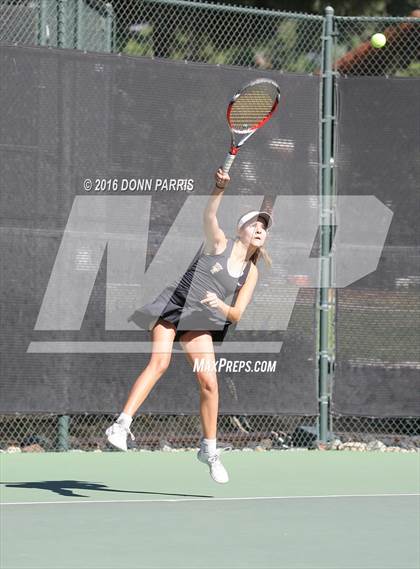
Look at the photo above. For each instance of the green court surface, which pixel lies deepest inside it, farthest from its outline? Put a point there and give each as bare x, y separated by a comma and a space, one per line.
162, 510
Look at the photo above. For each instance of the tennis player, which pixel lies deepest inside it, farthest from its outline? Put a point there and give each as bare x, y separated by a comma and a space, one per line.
224, 267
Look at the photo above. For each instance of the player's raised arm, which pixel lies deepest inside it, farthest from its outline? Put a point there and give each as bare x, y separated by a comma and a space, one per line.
213, 233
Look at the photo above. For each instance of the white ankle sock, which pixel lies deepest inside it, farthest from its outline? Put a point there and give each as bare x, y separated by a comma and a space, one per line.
125, 420
208, 445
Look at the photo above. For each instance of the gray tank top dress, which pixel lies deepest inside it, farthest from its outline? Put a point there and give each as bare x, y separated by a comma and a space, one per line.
181, 300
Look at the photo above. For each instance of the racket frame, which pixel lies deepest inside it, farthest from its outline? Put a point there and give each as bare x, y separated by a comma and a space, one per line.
234, 147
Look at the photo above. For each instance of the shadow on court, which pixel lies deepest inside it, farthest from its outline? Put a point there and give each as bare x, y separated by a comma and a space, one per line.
68, 488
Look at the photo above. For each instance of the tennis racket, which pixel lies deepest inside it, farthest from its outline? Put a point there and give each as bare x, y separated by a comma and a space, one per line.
249, 109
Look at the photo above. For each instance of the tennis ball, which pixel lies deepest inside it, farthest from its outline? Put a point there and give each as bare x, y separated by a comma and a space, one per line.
378, 40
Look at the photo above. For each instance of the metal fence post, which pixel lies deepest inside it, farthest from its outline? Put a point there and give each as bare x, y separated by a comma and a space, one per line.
80, 39
43, 32
63, 432
326, 227
109, 27
62, 31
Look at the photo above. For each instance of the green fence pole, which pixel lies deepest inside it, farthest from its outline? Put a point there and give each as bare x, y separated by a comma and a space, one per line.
326, 227
80, 40
63, 432
43, 32
109, 27
62, 24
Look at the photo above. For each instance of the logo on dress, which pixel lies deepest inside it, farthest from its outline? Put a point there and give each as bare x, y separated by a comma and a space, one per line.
216, 268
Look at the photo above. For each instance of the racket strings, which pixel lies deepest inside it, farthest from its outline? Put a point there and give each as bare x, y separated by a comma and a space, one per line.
252, 106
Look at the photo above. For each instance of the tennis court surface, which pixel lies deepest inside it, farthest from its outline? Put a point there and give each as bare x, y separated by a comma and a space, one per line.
162, 510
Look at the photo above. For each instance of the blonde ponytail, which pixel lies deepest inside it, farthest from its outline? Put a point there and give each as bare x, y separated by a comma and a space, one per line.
264, 254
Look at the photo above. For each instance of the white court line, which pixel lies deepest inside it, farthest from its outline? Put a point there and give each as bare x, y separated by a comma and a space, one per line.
206, 499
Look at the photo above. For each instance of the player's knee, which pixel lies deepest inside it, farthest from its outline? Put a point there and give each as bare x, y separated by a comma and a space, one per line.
160, 364
208, 383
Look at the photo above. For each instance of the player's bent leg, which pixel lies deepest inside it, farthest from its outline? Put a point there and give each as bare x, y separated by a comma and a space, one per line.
198, 347
163, 334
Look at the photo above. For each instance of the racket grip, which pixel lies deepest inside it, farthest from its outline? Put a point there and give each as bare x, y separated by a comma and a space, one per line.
228, 162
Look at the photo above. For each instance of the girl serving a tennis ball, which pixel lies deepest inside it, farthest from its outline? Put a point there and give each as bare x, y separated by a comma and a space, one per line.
225, 266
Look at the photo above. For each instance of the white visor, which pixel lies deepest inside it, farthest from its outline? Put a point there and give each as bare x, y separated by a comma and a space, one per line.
254, 215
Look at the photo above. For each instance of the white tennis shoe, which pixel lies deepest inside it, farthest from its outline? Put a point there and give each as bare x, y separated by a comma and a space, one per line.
117, 435
217, 470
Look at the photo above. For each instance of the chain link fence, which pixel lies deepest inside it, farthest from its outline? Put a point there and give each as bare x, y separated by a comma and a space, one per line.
167, 432
354, 54
179, 30
214, 34
38, 433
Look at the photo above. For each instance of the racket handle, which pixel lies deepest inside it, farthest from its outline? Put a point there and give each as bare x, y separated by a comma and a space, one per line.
228, 162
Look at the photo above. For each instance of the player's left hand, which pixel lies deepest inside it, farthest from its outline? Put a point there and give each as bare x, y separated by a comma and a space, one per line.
212, 300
